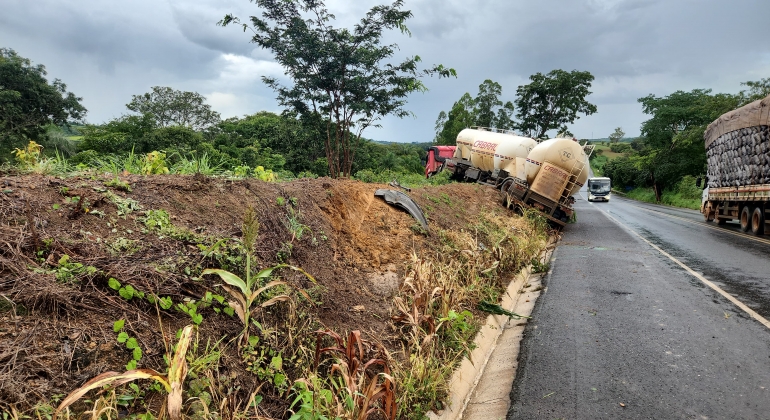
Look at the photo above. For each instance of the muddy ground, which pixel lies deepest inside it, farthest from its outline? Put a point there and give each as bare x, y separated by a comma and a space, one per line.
56, 317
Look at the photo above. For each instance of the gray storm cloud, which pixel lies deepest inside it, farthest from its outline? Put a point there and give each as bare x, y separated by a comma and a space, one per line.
107, 50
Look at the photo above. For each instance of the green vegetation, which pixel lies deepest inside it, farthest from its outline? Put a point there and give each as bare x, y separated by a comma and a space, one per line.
549, 102
338, 73
553, 100
29, 104
685, 194
660, 166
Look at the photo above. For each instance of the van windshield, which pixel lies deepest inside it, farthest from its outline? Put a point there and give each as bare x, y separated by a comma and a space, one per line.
599, 186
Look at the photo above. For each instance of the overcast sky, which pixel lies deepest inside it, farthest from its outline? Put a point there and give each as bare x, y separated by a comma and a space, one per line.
108, 50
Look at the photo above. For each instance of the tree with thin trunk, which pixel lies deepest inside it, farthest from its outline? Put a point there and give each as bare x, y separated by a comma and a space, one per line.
553, 100
339, 73
617, 135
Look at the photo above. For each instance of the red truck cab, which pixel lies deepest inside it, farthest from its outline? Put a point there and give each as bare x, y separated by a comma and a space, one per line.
437, 159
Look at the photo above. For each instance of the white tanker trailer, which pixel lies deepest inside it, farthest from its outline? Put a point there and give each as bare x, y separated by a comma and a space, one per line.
543, 176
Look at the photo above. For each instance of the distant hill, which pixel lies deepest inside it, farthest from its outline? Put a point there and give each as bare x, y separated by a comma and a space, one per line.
606, 139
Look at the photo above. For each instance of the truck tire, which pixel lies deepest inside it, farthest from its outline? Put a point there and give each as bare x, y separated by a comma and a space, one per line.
745, 218
708, 212
504, 192
758, 221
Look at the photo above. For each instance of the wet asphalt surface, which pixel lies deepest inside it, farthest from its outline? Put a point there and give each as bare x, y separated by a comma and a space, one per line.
621, 331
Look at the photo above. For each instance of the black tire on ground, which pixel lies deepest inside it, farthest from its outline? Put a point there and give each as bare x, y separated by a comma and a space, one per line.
758, 221
504, 192
708, 212
745, 218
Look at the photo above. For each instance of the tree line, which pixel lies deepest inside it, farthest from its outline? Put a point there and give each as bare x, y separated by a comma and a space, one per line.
671, 145
549, 102
342, 81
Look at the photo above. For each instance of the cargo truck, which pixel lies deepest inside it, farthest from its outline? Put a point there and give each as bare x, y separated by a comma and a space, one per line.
737, 184
436, 159
543, 176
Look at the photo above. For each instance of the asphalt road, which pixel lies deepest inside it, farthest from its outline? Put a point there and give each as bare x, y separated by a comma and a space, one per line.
624, 331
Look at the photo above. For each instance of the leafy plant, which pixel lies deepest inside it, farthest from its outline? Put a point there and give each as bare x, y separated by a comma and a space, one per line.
190, 307
267, 364
263, 174
30, 156
127, 292
154, 163
313, 401
69, 271
118, 184
539, 266
123, 245
130, 342
242, 171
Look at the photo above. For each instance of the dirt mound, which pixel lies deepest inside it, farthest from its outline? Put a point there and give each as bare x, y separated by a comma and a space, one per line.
65, 241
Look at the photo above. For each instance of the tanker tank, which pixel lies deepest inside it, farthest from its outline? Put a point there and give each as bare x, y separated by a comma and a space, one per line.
489, 150
564, 153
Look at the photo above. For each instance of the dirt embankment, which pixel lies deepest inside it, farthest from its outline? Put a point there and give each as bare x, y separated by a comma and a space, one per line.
63, 239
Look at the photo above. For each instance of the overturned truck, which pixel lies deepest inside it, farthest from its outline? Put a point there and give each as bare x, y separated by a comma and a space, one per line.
543, 176
738, 177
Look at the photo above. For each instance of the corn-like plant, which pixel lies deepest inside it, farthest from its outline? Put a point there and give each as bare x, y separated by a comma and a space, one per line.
173, 382
361, 391
246, 294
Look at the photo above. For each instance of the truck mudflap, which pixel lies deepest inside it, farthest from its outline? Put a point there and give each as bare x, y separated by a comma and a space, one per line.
397, 198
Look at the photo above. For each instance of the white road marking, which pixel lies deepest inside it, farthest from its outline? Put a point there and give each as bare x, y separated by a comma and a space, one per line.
704, 224
762, 320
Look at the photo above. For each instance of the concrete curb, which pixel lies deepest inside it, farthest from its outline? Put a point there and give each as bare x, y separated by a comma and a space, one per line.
467, 376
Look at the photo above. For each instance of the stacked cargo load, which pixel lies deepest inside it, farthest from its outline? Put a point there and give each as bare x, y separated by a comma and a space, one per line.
738, 146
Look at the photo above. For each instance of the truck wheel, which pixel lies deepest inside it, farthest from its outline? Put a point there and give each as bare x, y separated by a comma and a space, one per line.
745, 218
758, 221
708, 212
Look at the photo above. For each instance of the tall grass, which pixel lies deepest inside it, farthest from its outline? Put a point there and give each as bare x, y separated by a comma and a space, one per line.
433, 309
202, 164
405, 179
684, 194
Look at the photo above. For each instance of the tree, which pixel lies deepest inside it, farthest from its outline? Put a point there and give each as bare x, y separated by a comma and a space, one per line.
617, 135
439, 127
504, 119
28, 101
756, 90
175, 107
485, 103
485, 110
673, 136
552, 101
339, 73
460, 117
